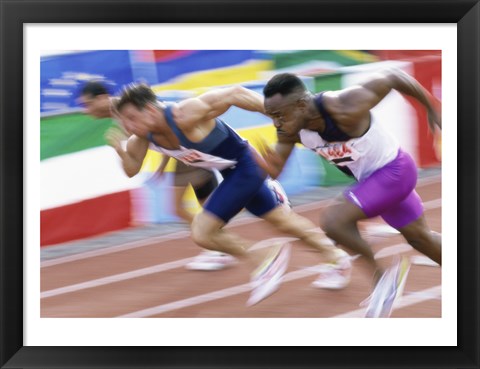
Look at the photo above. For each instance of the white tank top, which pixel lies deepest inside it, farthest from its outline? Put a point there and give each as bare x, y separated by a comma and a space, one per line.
362, 155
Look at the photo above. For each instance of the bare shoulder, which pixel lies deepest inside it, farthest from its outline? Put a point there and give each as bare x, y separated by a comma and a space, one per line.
189, 111
339, 103
331, 101
349, 106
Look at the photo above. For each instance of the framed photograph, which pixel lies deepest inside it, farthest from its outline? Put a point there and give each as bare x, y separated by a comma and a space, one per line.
33, 336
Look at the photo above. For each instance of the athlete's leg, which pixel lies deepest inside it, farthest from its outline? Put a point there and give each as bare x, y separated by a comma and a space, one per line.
408, 218
424, 240
184, 176
298, 226
180, 210
204, 190
336, 273
287, 221
238, 187
383, 190
201, 192
208, 232
209, 259
339, 222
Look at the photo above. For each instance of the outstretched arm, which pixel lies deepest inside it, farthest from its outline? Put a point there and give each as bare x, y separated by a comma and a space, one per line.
360, 99
406, 84
216, 102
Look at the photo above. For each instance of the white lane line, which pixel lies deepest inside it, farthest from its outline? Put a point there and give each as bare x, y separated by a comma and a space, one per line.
391, 250
177, 235
179, 263
411, 299
420, 296
227, 292
110, 250
387, 251
216, 295
143, 272
115, 278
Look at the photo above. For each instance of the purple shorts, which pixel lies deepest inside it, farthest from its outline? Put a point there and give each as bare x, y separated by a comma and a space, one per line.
390, 192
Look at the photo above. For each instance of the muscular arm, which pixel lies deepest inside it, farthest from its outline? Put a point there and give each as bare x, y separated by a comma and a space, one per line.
132, 157
405, 84
352, 103
216, 102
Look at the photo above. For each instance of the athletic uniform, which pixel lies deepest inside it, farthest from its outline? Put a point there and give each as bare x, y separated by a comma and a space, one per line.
203, 181
243, 184
386, 174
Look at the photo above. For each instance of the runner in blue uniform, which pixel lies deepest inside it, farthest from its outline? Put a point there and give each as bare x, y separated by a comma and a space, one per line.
192, 132
96, 99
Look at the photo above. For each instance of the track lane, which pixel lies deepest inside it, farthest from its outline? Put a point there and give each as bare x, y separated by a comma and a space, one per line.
150, 290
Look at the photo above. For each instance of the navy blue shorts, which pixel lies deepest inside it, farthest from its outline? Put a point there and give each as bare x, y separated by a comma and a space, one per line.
243, 186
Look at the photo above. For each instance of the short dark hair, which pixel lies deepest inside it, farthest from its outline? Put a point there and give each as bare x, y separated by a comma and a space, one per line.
283, 84
137, 94
94, 88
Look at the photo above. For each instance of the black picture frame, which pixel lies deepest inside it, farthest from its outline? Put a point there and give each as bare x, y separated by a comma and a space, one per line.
13, 354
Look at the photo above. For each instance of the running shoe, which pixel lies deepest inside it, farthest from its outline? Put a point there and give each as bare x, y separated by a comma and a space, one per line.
334, 276
211, 260
279, 193
388, 290
268, 277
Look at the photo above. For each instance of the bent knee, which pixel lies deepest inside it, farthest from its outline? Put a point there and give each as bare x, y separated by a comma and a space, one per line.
290, 222
199, 233
203, 229
331, 225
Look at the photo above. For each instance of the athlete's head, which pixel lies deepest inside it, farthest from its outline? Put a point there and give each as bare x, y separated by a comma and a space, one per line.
95, 98
285, 103
138, 109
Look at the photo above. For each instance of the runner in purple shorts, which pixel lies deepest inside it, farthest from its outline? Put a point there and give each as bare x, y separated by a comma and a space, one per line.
340, 126
375, 197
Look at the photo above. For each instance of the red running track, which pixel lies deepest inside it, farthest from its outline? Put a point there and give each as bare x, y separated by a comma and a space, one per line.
148, 278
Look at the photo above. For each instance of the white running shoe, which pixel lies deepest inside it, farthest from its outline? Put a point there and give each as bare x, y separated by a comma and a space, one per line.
387, 291
334, 276
211, 260
279, 193
268, 277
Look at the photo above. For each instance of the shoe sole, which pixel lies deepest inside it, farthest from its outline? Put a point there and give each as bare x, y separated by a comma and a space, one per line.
400, 280
319, 285
273, 284
400, 277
